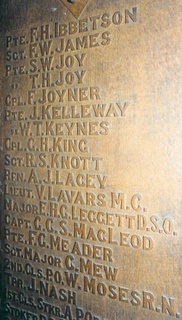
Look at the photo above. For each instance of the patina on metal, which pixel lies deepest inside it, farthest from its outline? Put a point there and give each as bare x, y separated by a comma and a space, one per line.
90, 184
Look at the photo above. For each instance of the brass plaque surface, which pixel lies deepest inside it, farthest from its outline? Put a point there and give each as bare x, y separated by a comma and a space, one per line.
91, 160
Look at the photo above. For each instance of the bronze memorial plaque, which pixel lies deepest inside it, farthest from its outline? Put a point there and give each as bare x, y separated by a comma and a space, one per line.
91, 160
